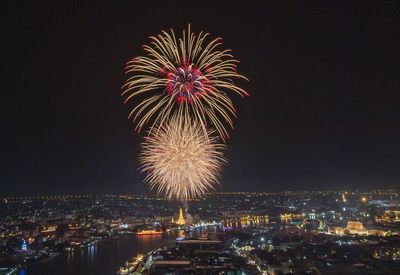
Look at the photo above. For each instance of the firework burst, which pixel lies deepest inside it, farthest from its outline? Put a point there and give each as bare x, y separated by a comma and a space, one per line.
189, 77
180, 161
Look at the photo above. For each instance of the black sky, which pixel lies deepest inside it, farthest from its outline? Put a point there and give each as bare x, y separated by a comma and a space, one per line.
324, 111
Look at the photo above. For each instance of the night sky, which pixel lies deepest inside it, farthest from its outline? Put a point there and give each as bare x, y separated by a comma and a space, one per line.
324, 110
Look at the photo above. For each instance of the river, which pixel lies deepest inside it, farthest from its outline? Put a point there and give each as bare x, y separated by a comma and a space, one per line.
104, 257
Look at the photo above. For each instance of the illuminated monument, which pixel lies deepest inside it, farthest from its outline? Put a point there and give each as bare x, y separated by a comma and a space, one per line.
181, 219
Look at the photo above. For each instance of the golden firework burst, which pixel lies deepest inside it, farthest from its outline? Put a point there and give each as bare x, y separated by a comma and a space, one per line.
180, 161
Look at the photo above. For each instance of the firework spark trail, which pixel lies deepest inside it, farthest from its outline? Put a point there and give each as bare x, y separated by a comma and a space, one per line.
180, 161
187, 76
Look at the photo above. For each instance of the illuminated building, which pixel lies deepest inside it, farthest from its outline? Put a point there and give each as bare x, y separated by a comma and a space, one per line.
181, 219
390, 216
246, 220
286, 218
297, 217
377, 232
24, 245
355, 228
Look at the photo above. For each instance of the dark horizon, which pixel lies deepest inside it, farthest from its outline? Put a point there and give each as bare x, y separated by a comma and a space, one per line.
323, 111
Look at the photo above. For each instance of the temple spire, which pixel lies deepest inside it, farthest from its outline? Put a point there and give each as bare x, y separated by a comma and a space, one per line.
181, 219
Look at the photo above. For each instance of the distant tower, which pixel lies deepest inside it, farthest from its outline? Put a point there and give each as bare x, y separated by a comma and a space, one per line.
24, 245
181, 219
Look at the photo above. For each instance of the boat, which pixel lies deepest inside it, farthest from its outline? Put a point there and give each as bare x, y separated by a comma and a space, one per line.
148, 232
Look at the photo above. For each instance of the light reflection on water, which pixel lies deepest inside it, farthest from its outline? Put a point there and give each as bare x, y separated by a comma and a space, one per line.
105, 257
102, 258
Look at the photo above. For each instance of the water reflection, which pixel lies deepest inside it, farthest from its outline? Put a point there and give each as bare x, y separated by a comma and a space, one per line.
105, 257
101, 258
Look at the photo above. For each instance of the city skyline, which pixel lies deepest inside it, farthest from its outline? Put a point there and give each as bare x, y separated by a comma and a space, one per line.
323, 111
354, 232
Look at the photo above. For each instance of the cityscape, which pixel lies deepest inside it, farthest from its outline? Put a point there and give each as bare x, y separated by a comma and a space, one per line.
310, 232
200, 137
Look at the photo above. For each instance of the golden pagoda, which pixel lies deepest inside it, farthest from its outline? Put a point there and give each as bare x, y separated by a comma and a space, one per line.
181, 219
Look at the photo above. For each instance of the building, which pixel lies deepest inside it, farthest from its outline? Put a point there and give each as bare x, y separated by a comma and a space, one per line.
355, 228
181, 220
389, 217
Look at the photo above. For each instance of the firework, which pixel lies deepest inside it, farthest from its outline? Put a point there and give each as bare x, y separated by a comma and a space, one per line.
189, 77
180, 161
